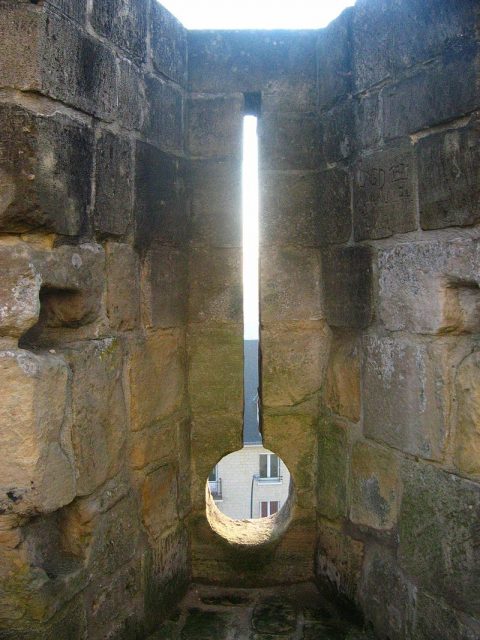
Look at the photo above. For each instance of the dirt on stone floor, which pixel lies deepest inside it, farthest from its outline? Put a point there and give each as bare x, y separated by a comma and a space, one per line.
295, 612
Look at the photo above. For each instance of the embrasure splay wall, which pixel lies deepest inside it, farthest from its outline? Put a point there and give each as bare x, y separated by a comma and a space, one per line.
120, 310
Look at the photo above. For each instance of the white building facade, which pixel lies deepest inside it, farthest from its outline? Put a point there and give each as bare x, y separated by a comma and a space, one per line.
250, 483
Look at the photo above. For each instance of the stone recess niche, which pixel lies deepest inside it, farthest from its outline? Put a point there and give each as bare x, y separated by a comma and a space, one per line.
121, 311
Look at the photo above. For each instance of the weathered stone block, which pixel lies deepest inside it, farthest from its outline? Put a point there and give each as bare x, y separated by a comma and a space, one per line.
342, 384
334, 77
405, 390
154, 445
216, 369
20, 36
407, 32
215, 291
76, 68
165, 287
467, 431
124, 23
338, 559
368, 119
168, 44
45, 172
113, 184
159, 498
293, 364
163, 125
384, 199
337, 132
430, 287
157, 379
290, 285
123, 286
334, 215
74, 9
19, 290
289, 141
436, 94
332, 469
448, 177
375, 490
250, 61
384, 594
37, 473
289, 208
215, 126
131, 96
98, 412
215, 193
439, 534
160, 209
347, 276
435, 619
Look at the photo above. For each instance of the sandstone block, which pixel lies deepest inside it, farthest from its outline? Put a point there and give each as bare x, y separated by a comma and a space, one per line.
293, 364
467, 449
332, 470
159, 500
216, 369
289, 141
342, 385
368, 119
290, 285
375, 490
98, 412
113, 184
75, 9
163, 125
384, 594
334, 78
215, 192
123, 286
160, 209
131, 95
76, 68
289, 208
430, 287
407, 32
156, 444
19, 290
384, 200
337, 132
434, 619
338, 559
164, 287
124, 23
45, 169
448, 178
215, 126
20, 35
37, 473
157, 379
436, 94
405, 390
438, 533
334, 215
223, 62
215, 293
347, 274
168, 42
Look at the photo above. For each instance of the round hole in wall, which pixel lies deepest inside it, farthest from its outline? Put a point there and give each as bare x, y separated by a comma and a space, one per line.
250, 496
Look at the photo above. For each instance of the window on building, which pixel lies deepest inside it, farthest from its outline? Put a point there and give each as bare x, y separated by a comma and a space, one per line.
269, 466
213, 477
268, 508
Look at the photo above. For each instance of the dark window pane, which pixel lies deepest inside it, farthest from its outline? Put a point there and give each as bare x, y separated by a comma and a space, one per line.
273, 466
264, 506
273, 507
263, 465
213, 474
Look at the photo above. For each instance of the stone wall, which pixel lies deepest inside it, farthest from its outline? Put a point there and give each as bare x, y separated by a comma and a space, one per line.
398, 478
94, 423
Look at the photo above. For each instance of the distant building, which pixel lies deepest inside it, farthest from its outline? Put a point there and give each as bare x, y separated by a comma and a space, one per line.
250, 483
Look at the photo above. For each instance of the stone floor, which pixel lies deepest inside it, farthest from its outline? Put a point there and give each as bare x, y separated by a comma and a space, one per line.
296, 612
